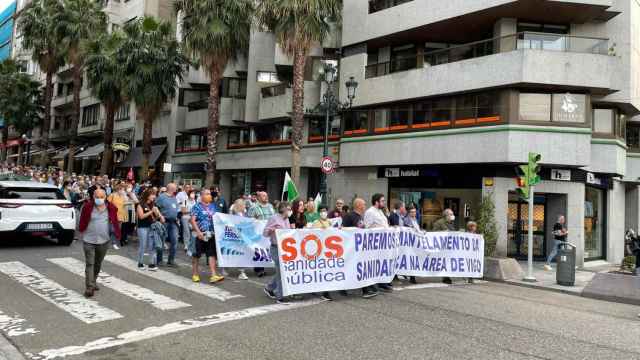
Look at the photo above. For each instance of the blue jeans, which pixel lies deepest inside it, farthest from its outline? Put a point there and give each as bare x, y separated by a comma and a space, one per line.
145, 245
554, 251
172, 234
276, 283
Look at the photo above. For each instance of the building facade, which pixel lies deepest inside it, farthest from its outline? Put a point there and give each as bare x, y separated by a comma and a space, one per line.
452, 96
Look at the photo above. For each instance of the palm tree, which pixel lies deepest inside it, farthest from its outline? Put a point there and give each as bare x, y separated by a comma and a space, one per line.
298, 25
37, 24
215, 32
79, 22
104, 75
153, 65
20, 101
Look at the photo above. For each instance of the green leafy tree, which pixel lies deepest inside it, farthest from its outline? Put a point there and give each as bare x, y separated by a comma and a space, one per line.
20, 101
298, 26
37, 24
215, 32
105, 79
487, 224
78, 23
153, 65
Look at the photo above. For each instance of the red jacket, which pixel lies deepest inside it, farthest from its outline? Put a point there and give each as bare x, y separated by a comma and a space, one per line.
85, 217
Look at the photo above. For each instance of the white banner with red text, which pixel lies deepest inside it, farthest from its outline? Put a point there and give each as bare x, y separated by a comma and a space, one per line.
329, 260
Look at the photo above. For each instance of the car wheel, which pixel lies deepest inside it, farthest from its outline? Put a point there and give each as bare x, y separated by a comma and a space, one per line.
66, 238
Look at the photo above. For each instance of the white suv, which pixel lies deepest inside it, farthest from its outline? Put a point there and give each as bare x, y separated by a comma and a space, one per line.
35, 208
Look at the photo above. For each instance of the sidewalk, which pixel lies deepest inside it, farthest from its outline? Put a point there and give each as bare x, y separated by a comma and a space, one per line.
547, 279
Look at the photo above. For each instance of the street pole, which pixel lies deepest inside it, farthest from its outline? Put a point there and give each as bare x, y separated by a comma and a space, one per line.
325, 146
530, 277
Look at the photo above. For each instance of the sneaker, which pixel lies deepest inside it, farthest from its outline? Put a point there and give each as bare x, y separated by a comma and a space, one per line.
260, 274
140, 266
413, 280
88, 293
116, 247
447, 280
153, 268
215, 278
283, 301
243, 276
326, 297
270, 293
385, 287
548, 267
195, 278
367, 294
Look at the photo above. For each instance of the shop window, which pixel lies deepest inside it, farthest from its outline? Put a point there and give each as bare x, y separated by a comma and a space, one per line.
442, 112
535, 107
603, 121
356, 122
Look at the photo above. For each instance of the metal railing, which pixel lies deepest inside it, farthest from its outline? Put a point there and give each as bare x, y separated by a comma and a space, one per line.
521, 40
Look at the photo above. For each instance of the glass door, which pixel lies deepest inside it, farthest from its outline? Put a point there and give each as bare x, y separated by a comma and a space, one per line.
594, 224
518, 227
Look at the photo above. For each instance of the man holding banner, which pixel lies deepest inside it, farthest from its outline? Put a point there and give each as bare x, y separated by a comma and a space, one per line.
374, 217
277, 221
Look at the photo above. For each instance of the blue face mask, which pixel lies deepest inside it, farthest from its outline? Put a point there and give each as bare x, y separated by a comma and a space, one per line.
98, 202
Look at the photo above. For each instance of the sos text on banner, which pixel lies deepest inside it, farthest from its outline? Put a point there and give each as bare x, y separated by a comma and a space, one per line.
314, 260
239, 242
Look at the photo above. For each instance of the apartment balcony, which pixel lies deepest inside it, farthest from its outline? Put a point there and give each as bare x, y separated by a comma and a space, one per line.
553, 61
458, 19
231, 111
276, 101
58, 101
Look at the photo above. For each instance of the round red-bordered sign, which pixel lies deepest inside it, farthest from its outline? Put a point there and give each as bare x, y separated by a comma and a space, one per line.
328, 165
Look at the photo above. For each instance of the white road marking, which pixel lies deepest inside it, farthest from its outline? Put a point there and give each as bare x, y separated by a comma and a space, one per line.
170, 328
173, 279
126, 288
76, 305
15, 325
421, 286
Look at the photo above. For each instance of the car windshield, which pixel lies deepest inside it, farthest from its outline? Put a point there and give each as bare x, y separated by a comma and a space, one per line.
31, 193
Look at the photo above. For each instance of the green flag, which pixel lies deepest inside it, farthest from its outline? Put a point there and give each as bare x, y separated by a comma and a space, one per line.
289, 188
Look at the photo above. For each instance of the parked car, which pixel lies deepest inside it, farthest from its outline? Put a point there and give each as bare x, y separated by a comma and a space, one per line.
30, 207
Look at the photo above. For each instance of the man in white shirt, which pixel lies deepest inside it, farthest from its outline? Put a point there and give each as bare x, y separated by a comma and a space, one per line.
374, 217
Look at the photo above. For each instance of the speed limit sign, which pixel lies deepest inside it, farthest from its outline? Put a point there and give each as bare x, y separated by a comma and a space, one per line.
328, 165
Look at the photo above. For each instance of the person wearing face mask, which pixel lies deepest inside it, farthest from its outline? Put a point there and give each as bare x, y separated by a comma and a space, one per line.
118, 199
445, 223
185, 209
323, 222
147, 214
278, 221
202, 224
98, 221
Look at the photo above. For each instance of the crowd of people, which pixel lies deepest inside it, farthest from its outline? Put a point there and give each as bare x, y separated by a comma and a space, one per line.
162, 217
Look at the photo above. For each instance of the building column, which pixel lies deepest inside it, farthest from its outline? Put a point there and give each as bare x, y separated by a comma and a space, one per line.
615, 222
500, 193
631, 212
505, 27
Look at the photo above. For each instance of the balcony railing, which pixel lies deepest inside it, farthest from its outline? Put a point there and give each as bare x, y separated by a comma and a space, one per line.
522, 40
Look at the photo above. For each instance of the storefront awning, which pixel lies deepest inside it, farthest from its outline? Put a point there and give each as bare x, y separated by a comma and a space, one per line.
61, 155
135, 156
92, 152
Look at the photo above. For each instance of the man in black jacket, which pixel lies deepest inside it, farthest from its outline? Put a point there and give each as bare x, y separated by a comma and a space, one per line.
397, 216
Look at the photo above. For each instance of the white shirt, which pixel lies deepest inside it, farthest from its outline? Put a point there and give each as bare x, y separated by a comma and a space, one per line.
181, 197
375, 218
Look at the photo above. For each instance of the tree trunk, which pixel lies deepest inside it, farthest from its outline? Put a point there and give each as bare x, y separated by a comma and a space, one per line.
5, 139
147, 135
297, 117
107, 155
75, 117
215, 76
46, 123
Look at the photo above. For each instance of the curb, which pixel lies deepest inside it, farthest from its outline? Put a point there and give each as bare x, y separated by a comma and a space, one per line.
8, 351
560, 291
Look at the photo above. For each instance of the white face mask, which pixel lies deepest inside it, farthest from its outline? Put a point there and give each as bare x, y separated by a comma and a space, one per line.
452, 217
323, 215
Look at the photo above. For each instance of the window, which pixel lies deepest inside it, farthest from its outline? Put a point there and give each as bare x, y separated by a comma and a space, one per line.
234, 88
268, 77
90, 115
603, 121
316, 129
275, 90
422, 115
381, 120
442, 112
191, 142
30, 193
239, 137
466, 108
535, 107
379, 5
633, 136
60, 91
488, 106
356, 122
122, 113
399, 117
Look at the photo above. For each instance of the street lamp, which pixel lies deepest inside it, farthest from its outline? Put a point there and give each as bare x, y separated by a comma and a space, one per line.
331, 105
27, 140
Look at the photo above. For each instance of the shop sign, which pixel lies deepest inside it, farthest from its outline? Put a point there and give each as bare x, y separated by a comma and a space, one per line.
120, 147
593, 180
397, 172
569, 108
166, 167
560, 175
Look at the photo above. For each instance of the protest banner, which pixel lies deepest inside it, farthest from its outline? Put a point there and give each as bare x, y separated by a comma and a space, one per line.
314, 260
239, 242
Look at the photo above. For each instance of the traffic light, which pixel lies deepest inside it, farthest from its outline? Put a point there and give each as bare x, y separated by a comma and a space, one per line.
528, 175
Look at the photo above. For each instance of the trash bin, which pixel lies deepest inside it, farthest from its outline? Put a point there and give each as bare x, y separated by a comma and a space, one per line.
566, 273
